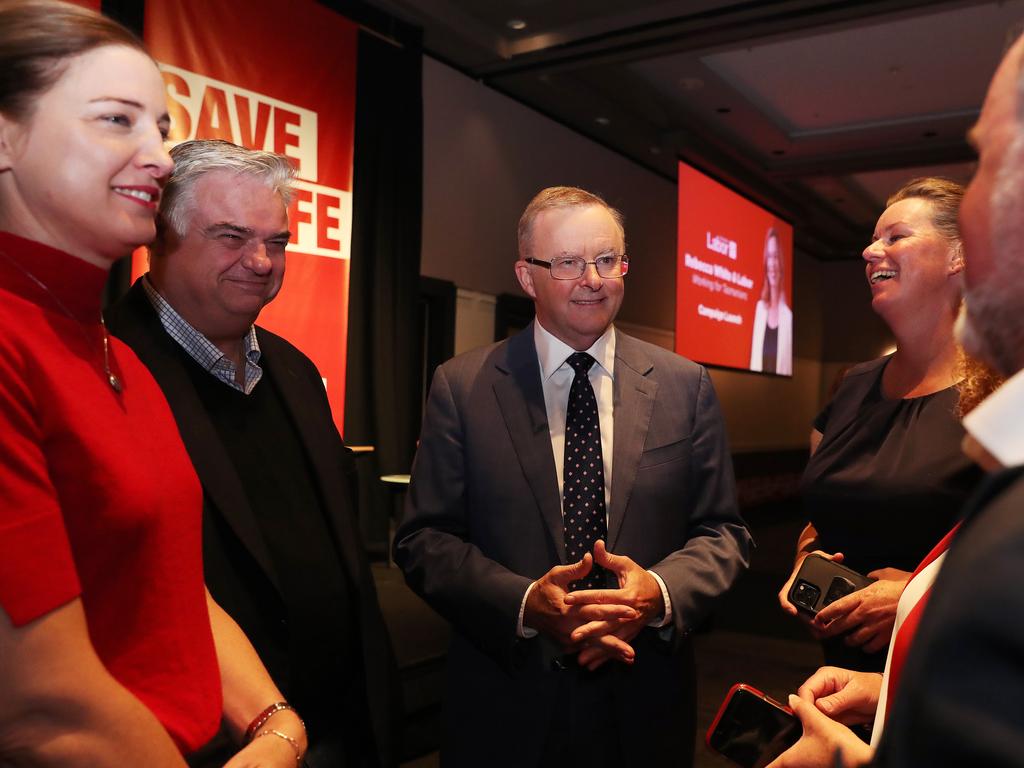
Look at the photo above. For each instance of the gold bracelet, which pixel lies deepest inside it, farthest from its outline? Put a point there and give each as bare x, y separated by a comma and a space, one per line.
261, 719
286, 737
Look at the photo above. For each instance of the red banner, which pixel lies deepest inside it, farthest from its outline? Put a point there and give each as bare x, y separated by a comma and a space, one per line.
277, 78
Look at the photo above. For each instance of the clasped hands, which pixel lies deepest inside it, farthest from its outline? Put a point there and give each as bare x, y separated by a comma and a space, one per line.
597, 624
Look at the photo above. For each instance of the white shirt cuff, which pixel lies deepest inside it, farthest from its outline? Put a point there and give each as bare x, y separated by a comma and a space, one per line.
662, 622
525, 632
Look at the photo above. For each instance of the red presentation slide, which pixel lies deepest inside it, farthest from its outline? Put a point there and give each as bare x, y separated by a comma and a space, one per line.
734, 279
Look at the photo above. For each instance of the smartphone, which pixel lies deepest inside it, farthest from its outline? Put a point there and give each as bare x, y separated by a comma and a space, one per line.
752, 729
821, 581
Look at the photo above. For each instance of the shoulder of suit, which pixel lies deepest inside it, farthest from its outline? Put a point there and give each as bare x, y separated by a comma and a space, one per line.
475, 359
133, 320
126, 304
274, 345
272, 339
629, 348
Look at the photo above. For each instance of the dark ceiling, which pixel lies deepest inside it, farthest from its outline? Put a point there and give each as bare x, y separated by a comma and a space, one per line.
816, 109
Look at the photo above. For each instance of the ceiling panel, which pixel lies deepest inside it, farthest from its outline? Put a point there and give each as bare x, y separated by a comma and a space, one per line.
817, 108
873, 75
879, 185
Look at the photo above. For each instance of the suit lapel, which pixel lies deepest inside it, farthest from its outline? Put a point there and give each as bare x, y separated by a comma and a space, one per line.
308, 415
521, 400
136, 323
991, 486
634, 395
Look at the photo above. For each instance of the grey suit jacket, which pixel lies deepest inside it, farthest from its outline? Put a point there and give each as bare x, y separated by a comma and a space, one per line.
483, 520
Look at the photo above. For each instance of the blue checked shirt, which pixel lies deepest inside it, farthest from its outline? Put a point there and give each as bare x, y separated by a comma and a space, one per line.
204, 351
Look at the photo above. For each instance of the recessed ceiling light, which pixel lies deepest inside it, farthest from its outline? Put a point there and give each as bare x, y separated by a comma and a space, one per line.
929, 134
778, 152
517, 25
602, 120
724, 110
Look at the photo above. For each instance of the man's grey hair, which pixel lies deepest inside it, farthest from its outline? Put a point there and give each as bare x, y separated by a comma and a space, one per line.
195, 159
559, 197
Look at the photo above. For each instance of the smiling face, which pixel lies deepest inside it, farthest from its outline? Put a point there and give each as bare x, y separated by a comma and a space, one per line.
230, 262
575, 311
83, 171
910, 263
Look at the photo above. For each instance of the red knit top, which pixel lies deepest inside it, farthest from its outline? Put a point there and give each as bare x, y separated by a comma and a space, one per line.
98, 498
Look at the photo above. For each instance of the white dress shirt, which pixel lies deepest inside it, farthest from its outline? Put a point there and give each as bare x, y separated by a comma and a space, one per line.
996, 422
556, 377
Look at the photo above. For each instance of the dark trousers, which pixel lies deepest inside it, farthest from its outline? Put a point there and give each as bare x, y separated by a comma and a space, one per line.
583, 730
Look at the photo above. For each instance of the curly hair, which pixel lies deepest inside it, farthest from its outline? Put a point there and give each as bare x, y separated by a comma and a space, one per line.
977, 381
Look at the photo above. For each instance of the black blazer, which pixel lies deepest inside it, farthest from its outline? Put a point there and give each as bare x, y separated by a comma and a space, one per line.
238, 568
960, 699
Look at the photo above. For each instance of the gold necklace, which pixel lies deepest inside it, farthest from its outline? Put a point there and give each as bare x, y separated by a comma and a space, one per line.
112, 378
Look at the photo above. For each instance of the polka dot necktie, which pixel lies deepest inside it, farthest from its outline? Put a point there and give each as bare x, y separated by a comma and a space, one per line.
583, 473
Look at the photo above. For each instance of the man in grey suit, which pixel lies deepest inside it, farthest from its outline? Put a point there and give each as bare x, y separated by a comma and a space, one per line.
565, 653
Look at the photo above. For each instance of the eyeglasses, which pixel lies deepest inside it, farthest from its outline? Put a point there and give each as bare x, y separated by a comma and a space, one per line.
573, 267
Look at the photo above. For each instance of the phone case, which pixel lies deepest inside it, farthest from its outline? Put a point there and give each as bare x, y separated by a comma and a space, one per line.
821, 581
751, 729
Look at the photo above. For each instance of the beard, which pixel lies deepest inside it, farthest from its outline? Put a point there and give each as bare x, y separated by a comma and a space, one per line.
990, 326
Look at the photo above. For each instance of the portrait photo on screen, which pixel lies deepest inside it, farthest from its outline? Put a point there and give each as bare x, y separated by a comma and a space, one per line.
734, 279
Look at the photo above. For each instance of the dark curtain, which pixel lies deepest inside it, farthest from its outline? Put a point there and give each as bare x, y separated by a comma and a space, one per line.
127, 12
381, 395
130, 13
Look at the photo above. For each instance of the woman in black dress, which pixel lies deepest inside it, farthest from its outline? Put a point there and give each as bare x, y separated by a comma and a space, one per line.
887, 479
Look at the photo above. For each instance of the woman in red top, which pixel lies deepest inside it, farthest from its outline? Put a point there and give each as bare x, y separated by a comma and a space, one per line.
111, 651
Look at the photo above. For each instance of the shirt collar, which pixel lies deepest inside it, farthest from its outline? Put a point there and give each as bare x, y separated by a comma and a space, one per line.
997, 423
201, 348
553, 352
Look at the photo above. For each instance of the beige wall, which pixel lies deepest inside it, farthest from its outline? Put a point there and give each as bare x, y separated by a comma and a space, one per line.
486, 155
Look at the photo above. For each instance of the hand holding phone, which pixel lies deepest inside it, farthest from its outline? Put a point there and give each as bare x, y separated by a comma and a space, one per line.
821, 581
752, 729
